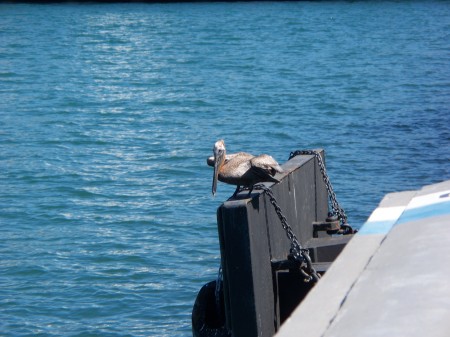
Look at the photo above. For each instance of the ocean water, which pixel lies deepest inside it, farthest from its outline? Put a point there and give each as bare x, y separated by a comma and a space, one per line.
108, 112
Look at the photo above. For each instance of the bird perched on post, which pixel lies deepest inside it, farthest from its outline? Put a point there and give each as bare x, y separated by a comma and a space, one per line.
241, 169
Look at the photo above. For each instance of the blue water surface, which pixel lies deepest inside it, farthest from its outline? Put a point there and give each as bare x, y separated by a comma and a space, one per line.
108, 111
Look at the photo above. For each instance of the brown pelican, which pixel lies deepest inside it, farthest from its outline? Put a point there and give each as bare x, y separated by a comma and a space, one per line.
242, 169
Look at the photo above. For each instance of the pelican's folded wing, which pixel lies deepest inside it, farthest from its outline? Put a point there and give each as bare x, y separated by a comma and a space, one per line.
265, 167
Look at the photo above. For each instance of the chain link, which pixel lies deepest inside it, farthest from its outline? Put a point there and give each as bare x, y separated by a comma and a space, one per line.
218, 290
337, 209
299, 253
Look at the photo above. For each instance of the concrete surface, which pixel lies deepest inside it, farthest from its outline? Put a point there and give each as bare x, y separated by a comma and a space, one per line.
393, 277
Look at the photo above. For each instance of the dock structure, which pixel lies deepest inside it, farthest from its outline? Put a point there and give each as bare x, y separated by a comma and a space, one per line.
392, 279
261, 284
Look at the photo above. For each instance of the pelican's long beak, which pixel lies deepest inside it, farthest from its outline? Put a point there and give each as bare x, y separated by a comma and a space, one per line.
218, 161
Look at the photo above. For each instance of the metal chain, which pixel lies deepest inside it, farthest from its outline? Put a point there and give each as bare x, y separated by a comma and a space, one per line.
217, 291
299, 253
337, 209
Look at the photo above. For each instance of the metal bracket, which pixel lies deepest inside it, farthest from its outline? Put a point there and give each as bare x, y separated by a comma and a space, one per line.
332, 225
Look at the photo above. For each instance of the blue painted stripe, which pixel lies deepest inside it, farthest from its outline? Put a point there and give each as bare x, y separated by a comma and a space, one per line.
377, 227
438, 208
413, 214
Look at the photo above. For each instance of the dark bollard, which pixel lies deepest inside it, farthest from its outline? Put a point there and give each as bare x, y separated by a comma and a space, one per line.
261, 286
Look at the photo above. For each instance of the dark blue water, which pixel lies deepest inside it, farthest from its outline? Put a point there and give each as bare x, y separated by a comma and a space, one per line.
107, 113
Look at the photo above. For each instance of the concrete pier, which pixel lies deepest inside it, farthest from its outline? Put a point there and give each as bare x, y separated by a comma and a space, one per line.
392, 278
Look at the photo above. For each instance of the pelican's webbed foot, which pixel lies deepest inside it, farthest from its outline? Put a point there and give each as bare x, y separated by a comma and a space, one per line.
238, 189
250, 190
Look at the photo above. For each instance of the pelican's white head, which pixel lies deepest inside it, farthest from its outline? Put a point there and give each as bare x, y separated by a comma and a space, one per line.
219, 158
